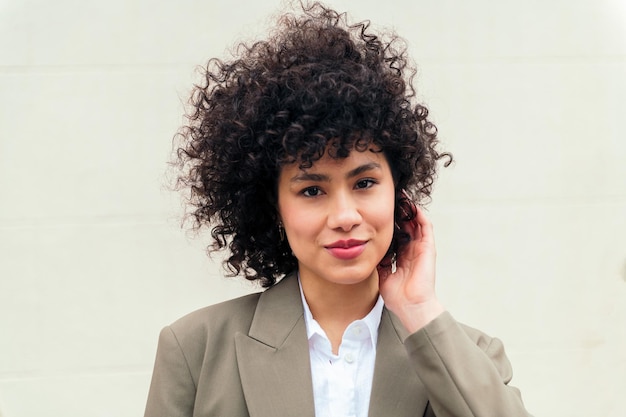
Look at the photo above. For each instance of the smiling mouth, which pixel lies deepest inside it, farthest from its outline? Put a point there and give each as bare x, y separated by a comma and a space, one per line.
345, 244
346, 249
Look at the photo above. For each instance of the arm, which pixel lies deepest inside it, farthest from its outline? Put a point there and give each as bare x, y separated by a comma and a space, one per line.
172, 391
464, 372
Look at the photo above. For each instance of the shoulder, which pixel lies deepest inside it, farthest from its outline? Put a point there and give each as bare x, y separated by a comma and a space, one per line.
220, 322
446, 331
226, 317
445, 336
446, 323
443, 323
206, 337
477, 336
482, 339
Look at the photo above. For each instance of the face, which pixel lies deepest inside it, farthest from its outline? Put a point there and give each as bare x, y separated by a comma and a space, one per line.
338, 216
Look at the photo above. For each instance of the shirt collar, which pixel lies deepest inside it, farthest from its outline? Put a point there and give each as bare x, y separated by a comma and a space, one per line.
371, 320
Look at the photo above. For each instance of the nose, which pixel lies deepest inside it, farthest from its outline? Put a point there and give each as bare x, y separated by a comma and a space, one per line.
343, 212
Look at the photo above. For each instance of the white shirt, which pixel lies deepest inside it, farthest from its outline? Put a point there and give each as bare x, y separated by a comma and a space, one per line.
342, 383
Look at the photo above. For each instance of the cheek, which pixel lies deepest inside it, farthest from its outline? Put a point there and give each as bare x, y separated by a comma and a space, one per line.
300, 224
390, 222
384, 218
390, 214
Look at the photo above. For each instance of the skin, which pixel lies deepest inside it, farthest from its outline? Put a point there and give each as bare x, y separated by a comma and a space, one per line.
409, 291
352, 200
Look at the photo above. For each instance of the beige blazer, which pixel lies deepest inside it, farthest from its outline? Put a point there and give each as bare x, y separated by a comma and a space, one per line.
250, 357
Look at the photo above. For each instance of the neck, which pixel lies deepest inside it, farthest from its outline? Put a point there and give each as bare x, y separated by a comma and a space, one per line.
334, 306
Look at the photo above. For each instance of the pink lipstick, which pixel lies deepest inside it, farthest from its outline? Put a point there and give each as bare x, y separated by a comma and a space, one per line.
346, 249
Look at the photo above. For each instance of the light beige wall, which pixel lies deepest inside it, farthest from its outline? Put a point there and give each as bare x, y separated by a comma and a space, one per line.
530, 221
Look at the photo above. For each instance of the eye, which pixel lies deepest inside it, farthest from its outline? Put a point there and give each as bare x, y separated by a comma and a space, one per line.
311, 192
365, 183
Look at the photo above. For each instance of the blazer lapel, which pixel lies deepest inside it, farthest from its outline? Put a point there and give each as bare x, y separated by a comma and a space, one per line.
273, 357
275, 370
396, 389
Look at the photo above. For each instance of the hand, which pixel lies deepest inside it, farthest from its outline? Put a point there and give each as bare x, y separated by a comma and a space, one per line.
409, 292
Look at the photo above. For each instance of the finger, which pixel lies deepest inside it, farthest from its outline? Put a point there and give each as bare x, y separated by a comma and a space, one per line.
409, 214
425, 228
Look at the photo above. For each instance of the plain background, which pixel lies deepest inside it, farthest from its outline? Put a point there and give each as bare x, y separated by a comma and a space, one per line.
530, 221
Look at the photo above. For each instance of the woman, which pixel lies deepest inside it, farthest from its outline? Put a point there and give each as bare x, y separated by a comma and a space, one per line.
303, 156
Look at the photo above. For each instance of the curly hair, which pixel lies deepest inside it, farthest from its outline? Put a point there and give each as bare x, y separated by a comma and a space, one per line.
317, 85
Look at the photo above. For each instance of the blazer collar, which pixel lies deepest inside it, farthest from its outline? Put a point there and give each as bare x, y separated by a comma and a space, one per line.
396, 389
275, 369
273, 357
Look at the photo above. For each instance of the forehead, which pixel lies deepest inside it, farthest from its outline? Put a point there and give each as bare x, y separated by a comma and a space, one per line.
330, 166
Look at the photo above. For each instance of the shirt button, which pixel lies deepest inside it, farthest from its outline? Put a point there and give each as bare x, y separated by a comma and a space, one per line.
349, 358
357, 330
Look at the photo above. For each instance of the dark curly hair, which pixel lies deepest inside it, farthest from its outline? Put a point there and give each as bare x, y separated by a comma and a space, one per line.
317, 85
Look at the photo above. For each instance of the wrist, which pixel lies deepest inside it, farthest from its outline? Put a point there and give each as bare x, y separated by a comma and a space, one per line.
415, 316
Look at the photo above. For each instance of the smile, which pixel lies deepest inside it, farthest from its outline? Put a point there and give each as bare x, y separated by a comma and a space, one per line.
346, 249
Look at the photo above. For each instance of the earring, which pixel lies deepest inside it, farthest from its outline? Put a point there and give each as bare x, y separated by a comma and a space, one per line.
281, 232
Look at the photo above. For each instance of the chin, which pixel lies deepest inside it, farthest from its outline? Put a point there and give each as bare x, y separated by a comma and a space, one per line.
353, 277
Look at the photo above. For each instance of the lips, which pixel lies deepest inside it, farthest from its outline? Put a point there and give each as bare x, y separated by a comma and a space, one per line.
346, 249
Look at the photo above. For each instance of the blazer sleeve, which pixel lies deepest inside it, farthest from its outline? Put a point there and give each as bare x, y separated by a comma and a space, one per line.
172, 390
465, 372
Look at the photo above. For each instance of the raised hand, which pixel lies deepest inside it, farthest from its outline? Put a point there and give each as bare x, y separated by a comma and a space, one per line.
409, 291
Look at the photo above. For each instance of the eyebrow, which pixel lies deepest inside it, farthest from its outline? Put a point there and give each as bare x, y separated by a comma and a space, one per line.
309, 176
